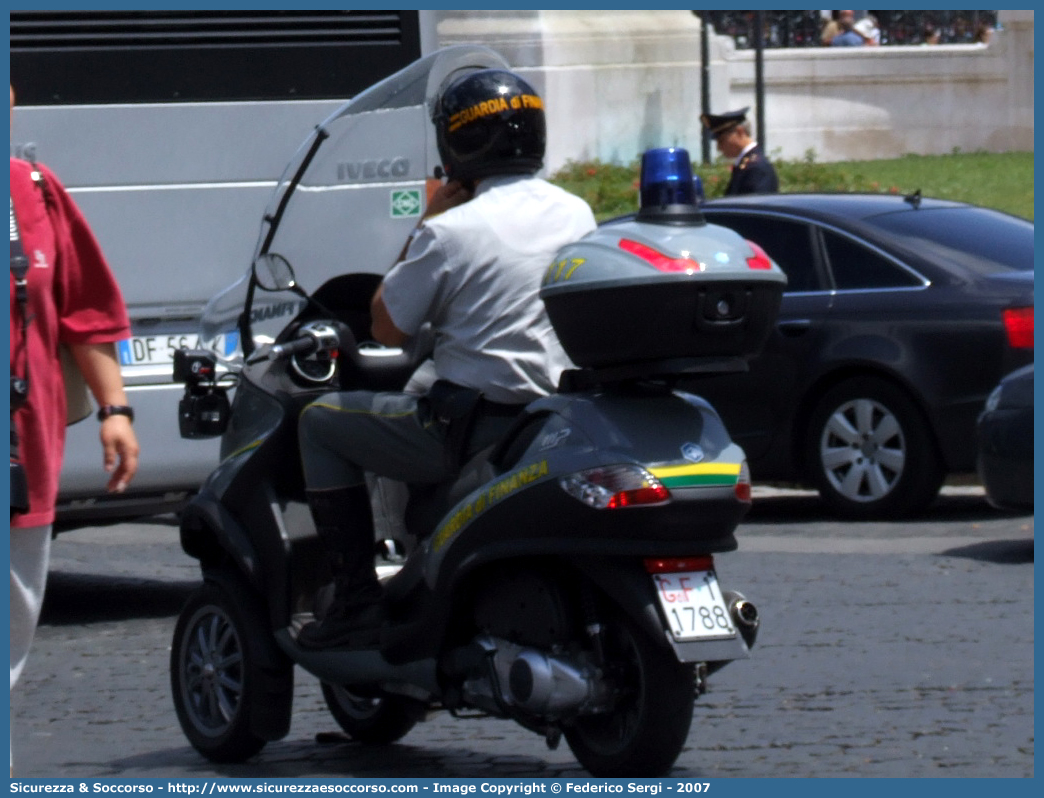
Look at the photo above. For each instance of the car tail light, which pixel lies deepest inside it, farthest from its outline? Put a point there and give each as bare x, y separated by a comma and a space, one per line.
678, 565
613, 487
664, 263
1018, 323
760, 259
743, 483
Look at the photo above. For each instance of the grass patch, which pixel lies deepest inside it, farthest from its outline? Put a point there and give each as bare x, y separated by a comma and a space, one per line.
997, 180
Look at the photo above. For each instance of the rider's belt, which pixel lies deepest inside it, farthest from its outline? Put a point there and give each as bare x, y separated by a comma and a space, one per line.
498, 409
451, 402
458, 408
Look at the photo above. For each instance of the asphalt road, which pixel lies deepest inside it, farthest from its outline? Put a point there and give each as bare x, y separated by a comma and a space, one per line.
886, 650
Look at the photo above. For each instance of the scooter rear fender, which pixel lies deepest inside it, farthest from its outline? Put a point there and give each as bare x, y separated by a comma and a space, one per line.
623, 582
626, 583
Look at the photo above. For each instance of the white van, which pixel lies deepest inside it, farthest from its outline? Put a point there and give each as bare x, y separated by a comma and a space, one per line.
170, 129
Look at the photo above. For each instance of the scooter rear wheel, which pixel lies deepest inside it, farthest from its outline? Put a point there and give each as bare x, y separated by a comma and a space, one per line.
371, 721
232, 689
646, 730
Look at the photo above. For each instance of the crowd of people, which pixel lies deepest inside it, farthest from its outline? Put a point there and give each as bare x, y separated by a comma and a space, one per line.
862, 29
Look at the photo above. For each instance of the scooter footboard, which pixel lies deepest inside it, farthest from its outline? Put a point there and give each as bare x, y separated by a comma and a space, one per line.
708, 625
364, 668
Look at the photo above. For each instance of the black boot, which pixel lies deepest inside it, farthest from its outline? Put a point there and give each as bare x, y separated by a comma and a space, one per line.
344, 521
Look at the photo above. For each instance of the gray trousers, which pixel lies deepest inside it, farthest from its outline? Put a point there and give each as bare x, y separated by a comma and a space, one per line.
30, 551
345, 435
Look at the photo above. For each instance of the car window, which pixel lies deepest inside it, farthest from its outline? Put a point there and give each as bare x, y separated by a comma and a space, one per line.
858, 267
981, 240
788, 243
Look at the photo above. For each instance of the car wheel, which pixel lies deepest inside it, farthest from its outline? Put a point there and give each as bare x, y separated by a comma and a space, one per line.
870, 452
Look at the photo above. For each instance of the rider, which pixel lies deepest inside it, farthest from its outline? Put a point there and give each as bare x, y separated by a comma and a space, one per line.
472, 269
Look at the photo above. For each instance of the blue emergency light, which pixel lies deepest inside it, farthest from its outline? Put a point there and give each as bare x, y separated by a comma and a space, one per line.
668, 192
697, 184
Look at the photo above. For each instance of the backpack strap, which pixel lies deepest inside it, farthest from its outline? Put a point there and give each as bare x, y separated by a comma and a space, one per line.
41, 183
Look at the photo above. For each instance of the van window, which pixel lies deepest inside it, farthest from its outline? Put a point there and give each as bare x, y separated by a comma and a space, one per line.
107, 57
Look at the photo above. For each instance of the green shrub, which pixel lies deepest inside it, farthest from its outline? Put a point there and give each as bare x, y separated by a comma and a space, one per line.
610, 189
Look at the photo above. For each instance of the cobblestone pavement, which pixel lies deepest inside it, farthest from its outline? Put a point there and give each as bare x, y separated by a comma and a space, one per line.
886, 650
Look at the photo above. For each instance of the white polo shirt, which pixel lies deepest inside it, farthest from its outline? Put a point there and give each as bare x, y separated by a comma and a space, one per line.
475, 271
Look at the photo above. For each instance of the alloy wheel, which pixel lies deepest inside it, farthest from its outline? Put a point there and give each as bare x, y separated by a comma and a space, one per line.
863, 450
213, 664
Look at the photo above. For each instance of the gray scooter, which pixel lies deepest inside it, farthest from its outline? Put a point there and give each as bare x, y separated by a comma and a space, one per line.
565, 579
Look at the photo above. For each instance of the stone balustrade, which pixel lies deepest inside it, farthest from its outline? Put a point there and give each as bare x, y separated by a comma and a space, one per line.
618, 82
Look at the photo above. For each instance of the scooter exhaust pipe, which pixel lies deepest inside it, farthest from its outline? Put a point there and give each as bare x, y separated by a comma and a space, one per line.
548, 685
745, 615
501, 675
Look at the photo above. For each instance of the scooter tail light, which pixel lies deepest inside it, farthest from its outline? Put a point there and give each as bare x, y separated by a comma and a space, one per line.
1018, 324
659, 261
760, 259
743, 483
615, 487
679, 565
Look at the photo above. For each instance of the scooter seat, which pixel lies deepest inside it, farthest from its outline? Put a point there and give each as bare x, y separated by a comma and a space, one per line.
429, 504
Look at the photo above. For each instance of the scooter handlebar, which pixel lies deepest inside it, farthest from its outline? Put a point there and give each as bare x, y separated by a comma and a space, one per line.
300, 346
313, 337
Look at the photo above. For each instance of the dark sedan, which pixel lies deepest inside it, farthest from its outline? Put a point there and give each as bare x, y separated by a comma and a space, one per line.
1006, 442
901, 315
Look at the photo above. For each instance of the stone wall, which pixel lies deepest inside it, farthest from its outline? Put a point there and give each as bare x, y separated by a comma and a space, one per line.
619, 82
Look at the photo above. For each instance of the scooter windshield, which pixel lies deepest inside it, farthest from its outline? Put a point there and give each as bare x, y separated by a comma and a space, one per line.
350, 195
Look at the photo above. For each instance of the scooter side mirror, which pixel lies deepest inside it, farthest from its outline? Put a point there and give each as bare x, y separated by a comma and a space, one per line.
273, 272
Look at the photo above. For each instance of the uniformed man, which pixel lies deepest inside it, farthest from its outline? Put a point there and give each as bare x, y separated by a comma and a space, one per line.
472, 269
751, 171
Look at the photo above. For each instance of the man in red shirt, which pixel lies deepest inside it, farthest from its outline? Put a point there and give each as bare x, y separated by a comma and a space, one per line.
69, 297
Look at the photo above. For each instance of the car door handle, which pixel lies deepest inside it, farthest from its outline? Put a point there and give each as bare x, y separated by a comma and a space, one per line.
795, 327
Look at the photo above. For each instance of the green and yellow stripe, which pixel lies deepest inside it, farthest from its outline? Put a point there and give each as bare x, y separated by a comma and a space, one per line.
692, 475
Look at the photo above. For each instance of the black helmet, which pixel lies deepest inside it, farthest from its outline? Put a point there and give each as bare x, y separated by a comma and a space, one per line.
490, 122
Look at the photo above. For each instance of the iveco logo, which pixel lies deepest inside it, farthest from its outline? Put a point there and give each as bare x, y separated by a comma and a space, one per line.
692, 452
373, 170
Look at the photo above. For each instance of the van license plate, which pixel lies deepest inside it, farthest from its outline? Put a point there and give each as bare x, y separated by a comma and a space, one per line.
693, 605
158, 350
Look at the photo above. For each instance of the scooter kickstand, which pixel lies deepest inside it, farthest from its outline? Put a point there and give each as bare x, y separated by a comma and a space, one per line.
552, 736
700, 680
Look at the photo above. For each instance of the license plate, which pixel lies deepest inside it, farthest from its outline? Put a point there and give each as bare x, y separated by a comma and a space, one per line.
694, 606
158, 350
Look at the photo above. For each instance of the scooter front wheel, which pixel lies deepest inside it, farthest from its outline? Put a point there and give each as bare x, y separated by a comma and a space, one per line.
645, 731
223, 693
371, 720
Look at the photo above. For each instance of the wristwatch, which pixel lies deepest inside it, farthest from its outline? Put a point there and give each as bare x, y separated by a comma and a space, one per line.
115, 410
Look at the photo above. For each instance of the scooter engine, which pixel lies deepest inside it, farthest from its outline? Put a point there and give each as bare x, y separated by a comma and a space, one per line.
532, 660
551, 686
